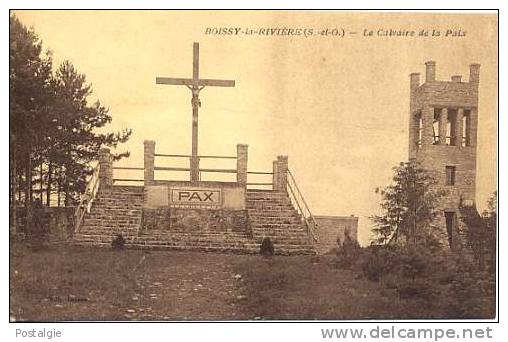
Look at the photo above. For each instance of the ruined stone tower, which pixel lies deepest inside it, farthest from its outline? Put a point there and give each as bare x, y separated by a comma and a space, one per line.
442, 138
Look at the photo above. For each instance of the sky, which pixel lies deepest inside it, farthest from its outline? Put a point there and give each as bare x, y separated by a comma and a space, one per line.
337, 106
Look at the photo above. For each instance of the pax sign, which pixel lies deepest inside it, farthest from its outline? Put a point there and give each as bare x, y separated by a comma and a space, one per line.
196, 196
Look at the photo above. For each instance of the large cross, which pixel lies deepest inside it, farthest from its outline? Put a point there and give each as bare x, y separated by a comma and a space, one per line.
195, 84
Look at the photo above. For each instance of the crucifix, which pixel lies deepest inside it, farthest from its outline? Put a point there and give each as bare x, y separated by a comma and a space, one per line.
195, 84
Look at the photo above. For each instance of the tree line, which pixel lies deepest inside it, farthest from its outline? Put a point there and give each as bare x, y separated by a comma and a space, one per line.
55, 133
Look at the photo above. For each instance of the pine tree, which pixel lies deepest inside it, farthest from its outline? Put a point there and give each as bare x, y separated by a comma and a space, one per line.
481, 231
29, 107
53, 129
75, 125
409, 208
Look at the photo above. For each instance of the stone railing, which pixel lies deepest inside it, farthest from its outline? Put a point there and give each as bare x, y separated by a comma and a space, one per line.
299, 202
88, 197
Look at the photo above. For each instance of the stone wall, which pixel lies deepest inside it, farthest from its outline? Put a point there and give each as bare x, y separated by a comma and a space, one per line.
189, 220
330, 228
53, 224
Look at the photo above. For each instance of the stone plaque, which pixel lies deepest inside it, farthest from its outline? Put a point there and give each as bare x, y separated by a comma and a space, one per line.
191, 197
156, 196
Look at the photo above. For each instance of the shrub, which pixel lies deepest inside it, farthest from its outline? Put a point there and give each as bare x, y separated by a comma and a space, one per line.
375, 261
266, 246
347, 252
471, 292
410, 289
118, 243
449, 282
412, 263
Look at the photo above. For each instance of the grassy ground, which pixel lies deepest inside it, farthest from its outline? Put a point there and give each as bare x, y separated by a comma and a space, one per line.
311, 288
101, 284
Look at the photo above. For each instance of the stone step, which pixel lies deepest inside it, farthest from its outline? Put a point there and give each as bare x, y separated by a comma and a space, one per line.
282, 223
281, 200
107, 193
110, 194
267, 194
279, 232
109, 232
273, 213
122, 189
274, 209
292, 230
94, 222
118, 221
213, 235
169, 239
271, 209
117, 201
115, 191
260, 204
120, 211
116, 209
297, 237
112, 217
278, 225
111, 226
276, 220
267, 201
191, 238
117, 204
267, 198
285, 240
275, 195
247, 249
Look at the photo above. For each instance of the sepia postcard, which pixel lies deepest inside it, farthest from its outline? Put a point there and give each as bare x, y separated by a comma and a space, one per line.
241, 165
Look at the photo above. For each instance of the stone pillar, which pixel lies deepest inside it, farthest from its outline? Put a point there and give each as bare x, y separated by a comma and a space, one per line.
443, 120
275, 176
106, 167
282, 171
473, 126
414, 81
427, 121
430, 71
459, 127
241, 163
413, 120
149, 160
474, 73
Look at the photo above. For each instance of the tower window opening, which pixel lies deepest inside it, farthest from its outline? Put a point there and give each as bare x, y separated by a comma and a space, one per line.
450, 222
466, 127
451, 124
435, 126
450, 175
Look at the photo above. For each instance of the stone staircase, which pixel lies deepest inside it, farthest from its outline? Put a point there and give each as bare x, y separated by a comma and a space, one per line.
272, 215
119, 210
116, 210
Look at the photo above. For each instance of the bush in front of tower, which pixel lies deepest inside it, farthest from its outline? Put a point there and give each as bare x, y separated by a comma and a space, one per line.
347, 251
118, 242
442, 281
266, 247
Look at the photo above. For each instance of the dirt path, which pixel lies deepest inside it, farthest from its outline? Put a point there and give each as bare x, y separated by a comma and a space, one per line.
95, 284
185, 286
